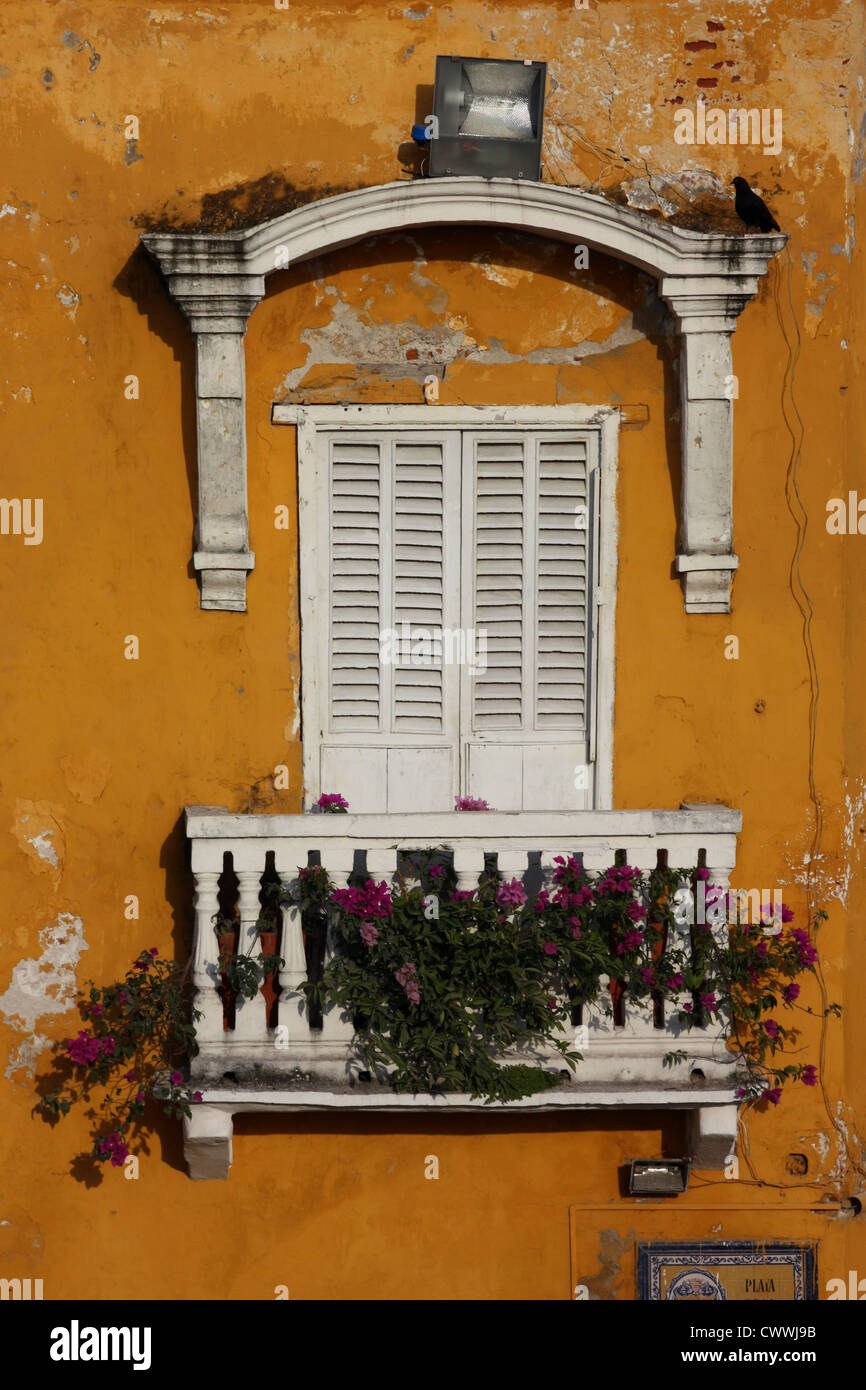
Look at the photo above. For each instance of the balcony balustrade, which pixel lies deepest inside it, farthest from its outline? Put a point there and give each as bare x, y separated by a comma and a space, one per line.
274, 1059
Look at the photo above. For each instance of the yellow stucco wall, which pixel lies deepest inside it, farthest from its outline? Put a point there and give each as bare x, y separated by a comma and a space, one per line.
100, 754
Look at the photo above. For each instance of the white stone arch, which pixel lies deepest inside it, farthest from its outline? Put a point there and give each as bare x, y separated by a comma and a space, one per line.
707, 279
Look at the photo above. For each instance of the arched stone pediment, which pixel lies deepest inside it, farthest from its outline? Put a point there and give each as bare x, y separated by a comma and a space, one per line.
706, 278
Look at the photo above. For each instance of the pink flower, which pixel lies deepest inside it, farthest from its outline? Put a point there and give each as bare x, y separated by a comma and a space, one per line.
630, 942
551, 1003
636, 912
140, 1097
809, 1076
774, 1095
709, 1002
463, 895
739, 1093
511, 894
108, 1046
373, 900
113, 1146
176, 1078
807, 953
436, 870
574, 923
550, 948
83, 1049
405, 977
332, 801
153, 951
131, 1076
790, 993
542, 901
470, 803
675, 981
197, 1097
369, 933
702, 874
646, 975
688, 1008
771, 1028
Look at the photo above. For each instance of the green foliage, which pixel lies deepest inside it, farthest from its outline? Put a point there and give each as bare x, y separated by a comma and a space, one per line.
140, 1030
440, 984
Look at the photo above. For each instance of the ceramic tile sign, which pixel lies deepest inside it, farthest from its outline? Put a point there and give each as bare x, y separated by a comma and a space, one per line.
711, 1271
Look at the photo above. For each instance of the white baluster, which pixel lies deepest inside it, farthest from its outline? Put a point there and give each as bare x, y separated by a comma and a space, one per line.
512, 863
250, 1014
468, 867
292, 1006
336, 1027
205, 958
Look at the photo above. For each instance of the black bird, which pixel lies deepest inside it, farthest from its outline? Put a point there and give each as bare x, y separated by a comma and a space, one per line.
753, 210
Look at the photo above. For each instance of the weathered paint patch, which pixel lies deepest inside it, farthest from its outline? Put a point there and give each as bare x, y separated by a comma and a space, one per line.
42, 987
611, 1249
86, 774
40, 835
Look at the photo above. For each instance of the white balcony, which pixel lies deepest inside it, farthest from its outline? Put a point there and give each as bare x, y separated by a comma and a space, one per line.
251, 1067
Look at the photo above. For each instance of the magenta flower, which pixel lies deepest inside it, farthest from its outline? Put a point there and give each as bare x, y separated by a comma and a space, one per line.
810, 1076
471, 803
332, 802
108, 1046
636, 912
709, 1002
140, 1097
113, 1147
646, 975
153, 951
688, 1008
463, 895
630, 942
373, 900
790, 993
131, 1076
774, 1095
574, 923
739, 1093
551, 1003
511, 894
197, 1097
550, 948
771, 1028
787, 913
436, 870
176, 1078
675, 981
806, 951
702, 874
369, 933
542, 901
83, 1049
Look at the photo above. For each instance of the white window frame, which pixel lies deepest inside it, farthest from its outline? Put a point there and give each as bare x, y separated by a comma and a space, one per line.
314, 422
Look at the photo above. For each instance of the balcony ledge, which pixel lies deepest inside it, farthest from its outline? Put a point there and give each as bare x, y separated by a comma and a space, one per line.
711, 1129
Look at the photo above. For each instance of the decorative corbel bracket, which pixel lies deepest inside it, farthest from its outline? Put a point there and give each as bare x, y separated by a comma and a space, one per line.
707, 279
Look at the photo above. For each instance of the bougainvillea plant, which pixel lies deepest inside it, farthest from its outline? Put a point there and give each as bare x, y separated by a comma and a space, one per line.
443, 982
140, 1033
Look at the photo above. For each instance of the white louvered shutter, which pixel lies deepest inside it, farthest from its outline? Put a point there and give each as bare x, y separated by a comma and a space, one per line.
391, 551
528, 587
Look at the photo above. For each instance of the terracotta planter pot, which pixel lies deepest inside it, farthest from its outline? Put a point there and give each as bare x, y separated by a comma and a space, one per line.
228, 945
269, 946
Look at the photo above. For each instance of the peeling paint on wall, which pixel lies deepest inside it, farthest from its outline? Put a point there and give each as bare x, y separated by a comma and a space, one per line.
43, 987
40, 835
